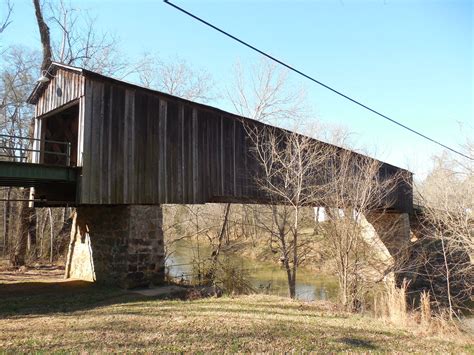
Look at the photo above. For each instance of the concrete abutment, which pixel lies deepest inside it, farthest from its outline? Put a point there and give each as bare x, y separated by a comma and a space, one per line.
117, 245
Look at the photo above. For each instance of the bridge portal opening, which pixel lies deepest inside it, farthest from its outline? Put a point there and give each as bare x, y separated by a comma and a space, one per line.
59, 137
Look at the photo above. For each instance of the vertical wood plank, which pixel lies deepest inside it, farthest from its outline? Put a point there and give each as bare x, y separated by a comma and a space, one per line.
71, 87
221, 150
126, 162
188, 154
163, 147
105, 144
195, 150
172, 151
97, 102
148, 156
130, 146
139, 132
118, 107
183, 155
80, 133
234, 175
86, 161
155, 148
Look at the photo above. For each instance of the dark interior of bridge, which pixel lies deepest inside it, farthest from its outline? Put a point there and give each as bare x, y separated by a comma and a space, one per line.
58, 129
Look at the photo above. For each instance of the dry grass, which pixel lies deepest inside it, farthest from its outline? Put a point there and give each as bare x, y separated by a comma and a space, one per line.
391, 304
76, 319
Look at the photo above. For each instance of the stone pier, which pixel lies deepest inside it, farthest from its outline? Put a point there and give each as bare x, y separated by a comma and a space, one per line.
393, 230
117, 245
387, 234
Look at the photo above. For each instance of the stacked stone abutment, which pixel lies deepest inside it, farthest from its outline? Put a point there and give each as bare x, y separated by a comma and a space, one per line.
117, 245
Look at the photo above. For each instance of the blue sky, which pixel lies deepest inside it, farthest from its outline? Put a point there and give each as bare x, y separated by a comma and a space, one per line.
412, 60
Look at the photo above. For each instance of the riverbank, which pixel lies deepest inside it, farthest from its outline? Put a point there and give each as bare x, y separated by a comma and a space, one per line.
81, 318
265, 276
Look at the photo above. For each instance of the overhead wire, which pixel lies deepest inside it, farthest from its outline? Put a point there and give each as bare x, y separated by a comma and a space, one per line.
317, 81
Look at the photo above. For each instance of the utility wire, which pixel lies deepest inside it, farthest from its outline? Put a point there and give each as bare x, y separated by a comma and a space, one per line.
316, 81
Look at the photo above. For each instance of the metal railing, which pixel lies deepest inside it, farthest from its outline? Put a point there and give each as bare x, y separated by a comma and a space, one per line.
21, 149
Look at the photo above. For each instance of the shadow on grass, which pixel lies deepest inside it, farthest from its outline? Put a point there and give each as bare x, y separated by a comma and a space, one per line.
355, 343
39, 298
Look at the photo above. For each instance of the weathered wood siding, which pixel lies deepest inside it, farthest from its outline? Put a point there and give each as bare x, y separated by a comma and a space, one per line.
65, 86
138, 146
145, 148
402, 195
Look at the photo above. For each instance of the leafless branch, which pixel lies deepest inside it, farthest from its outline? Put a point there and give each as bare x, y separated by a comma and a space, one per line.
5, 22
176, 77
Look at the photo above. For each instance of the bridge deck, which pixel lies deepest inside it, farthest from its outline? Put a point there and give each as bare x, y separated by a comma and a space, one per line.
33, 175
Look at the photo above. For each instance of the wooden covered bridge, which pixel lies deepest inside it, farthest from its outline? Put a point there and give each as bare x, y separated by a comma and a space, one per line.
115, 150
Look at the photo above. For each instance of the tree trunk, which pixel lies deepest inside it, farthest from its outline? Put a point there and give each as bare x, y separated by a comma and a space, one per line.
26, 230
292, 287
215, 254
285, 257
51, 235
6, 221
295, 253
32, 232
286, 265
44, 35
18, 252
448, 279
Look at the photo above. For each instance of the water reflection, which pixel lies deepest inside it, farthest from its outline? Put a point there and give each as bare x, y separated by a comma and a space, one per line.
265, 277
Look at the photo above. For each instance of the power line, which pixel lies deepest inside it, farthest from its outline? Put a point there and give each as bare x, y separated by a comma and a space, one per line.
315, 80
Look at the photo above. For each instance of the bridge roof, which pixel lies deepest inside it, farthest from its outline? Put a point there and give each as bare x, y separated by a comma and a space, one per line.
40, 87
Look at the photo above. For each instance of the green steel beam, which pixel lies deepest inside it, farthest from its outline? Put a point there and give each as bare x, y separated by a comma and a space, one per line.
31, 175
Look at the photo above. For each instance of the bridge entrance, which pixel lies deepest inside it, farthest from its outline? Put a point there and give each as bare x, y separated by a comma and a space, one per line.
46, 162
56, 130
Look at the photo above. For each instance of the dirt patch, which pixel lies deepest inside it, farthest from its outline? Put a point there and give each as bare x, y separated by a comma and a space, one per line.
60, 287
40, 273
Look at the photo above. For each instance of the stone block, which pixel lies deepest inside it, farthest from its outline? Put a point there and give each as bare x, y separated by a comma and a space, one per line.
117, 245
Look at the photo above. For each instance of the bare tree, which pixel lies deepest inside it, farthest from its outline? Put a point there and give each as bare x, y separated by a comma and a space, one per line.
5, 20
176, 77
26, 226
16, 124
79, 42
446, 230
265, 93
44, 35
298, 171
204, 229
354, 192
289, 174
66, 35
448, 196
16, 83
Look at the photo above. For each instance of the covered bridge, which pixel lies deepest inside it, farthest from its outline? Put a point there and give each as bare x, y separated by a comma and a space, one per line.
138, 146
117, 150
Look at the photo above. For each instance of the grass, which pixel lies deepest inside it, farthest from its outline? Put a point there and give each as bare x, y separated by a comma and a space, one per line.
77, 317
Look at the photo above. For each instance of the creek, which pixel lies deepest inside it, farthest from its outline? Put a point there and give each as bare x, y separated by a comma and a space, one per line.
264, 276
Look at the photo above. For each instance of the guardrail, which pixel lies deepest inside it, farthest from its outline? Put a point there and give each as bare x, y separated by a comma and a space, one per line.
20, 149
